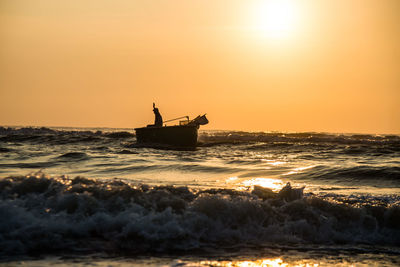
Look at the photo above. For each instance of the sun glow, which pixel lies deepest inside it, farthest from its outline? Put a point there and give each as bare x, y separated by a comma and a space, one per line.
276, 19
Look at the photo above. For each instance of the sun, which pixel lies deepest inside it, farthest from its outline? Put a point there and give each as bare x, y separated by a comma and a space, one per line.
276, 19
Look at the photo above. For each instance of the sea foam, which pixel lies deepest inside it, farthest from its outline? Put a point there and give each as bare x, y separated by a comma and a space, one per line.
46, 215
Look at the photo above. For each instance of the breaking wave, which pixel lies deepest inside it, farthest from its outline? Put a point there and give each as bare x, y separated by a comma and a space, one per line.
45, 215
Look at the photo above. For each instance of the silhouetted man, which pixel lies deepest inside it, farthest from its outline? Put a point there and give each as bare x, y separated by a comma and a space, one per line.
158, 122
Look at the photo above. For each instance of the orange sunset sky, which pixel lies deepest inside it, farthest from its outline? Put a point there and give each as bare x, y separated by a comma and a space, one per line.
279, 65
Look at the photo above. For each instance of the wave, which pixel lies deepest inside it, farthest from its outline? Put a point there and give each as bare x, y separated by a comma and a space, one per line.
388, 176
75, 156
210, 138
119, 135
45, 215
58, 137
5, 150
30, 165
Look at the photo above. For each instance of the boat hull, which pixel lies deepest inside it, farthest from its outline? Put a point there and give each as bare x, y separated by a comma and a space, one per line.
171, 136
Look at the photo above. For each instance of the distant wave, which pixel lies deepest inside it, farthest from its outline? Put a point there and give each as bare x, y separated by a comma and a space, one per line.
58, 137
42, 215
207, 138
236, 137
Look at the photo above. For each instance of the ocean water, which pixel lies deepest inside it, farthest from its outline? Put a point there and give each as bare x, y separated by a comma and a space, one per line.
73, 196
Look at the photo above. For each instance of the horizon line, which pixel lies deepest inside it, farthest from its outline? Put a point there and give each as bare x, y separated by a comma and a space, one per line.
225, 130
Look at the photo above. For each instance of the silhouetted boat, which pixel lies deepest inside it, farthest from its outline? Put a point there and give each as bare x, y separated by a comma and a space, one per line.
177, 136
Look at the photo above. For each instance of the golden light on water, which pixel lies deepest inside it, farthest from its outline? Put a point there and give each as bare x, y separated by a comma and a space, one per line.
299, 169
274, 184
278, 262
273, 162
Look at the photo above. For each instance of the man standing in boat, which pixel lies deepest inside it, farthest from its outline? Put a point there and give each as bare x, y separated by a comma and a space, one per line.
158, 121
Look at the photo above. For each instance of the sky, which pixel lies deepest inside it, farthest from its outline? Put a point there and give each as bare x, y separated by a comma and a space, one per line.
251, 65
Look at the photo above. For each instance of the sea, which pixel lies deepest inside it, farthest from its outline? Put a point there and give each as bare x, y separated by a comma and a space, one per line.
93, 197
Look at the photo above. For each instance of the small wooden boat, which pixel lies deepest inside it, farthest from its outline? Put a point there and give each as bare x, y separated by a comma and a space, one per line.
177, 136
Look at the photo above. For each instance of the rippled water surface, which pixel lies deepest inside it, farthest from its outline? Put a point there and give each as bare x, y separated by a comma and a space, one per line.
81, 192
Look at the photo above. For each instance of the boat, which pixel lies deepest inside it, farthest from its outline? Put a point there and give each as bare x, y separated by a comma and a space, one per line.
179, 136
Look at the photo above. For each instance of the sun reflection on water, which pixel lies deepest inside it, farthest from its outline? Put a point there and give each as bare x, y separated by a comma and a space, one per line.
274, 184
273, 162
244, 184
299, 169
278, 262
